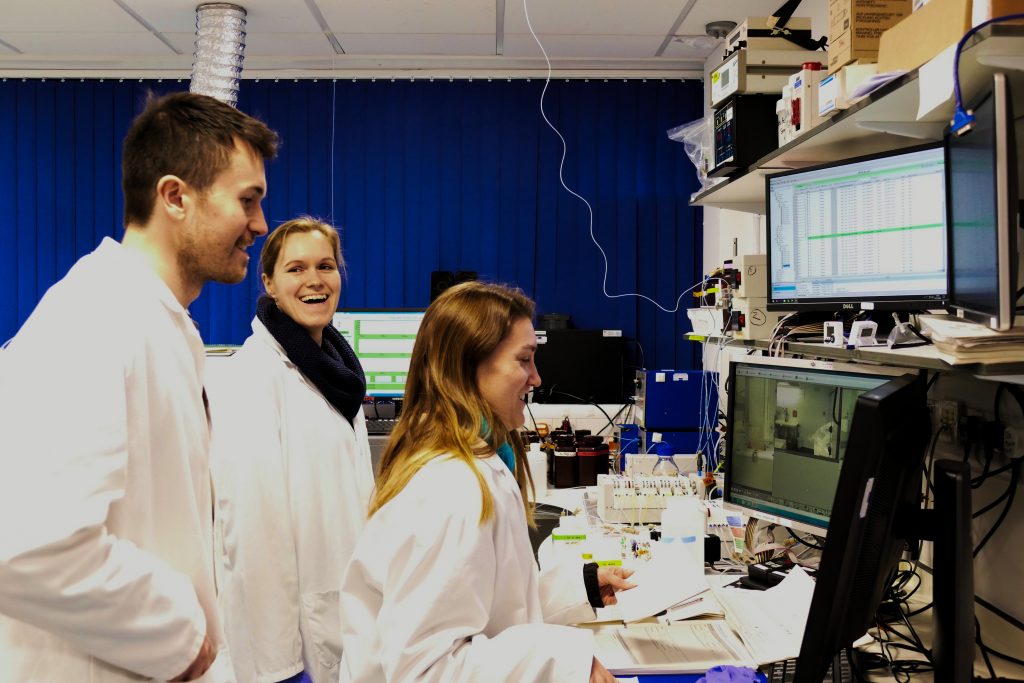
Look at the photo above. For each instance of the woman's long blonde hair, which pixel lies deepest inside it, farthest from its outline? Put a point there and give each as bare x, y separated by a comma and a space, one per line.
444, 410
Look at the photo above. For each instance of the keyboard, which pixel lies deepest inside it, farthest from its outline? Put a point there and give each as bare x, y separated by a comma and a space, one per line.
380, 425
839, 671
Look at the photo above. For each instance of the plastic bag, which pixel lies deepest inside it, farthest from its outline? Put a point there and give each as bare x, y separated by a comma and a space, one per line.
696, 137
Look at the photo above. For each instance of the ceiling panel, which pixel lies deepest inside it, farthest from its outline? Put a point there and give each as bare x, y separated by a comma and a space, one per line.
444, 17
590, 47
61, 15
94, 44
297, 44
262, 16
593, 17
417, 44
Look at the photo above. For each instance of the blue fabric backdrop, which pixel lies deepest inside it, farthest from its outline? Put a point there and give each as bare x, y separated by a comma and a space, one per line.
422, 176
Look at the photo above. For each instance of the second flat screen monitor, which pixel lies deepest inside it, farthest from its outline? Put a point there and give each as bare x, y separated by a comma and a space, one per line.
383, 341
862, 234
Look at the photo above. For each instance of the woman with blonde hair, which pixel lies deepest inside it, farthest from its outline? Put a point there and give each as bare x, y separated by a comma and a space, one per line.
291, 464
443, 585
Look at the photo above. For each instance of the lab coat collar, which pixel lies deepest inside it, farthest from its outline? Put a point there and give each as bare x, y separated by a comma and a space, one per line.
144, 275
262, 334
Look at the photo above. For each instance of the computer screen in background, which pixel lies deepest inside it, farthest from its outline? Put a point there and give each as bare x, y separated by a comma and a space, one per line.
865, 233
787, 427
383, 341
982, 181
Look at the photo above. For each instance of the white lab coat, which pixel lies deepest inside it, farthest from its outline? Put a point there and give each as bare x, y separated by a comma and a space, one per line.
106, 529
433, 595
293, 480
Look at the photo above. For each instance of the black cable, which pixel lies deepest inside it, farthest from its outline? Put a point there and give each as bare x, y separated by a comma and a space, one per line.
1012, 489
802, 541
981, 646
932, 381
1003, 655
643, 360
611, 422
532, 418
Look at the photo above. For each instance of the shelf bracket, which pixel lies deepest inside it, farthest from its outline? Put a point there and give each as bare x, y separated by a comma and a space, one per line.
919, 130
1015, 62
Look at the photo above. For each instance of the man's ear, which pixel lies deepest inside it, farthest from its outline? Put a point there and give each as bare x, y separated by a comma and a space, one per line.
170, 196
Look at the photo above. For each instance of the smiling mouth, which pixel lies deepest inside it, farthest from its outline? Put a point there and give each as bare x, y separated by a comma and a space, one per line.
313, 298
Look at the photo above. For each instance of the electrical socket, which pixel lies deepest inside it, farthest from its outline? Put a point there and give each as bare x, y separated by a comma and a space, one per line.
947, 414
1013, 442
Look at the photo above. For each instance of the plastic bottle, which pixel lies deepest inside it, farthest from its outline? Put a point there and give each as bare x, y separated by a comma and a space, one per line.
538, 463
683, 525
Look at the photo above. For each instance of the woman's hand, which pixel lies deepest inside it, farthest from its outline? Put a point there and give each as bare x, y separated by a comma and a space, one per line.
611, 580
599, 674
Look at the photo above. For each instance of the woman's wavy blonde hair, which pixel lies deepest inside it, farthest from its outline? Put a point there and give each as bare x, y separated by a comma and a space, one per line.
444, 411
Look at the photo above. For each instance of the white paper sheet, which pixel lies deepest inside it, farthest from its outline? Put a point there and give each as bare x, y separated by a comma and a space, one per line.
685, 647
663, 582
935, 82
771, 623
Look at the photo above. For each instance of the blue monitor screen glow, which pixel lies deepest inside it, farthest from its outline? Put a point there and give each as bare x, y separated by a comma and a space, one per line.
861, 234
383, 341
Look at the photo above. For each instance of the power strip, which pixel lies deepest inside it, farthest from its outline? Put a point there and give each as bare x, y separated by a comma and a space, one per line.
641, 499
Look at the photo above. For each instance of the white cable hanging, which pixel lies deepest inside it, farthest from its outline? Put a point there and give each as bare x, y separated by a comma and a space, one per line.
220, 42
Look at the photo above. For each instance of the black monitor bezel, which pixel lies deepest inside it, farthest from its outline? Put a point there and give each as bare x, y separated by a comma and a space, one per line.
882, 303
876, 492
1006, 210
795, 364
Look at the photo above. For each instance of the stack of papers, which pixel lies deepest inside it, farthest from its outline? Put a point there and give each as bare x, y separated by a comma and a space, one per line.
759, 627
958, 342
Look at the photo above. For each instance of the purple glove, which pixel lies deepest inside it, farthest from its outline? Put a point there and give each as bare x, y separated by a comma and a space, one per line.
729, 674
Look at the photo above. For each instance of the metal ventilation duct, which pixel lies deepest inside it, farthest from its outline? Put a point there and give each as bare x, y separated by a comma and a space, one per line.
220, 42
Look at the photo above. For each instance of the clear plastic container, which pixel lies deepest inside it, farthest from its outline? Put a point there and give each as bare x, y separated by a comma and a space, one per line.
666, 466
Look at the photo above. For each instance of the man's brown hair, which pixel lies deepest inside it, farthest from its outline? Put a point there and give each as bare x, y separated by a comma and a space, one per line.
186, 135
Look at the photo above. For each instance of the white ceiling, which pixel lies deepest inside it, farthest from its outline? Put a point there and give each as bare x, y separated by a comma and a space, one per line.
154, 38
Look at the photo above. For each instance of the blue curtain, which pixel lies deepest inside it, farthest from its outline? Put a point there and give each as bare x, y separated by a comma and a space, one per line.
422, 176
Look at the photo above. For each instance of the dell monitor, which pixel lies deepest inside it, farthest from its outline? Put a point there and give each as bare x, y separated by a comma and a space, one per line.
981, 181
382, 340
861, 234
788, 426
876, 511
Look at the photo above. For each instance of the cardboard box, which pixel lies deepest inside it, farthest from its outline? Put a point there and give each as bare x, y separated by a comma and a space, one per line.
923, 34
856, 26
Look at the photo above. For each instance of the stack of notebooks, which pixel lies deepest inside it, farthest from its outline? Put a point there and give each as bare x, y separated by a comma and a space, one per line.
958, 342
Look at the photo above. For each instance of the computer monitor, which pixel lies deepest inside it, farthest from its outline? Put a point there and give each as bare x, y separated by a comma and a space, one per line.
981, 180
383, 340
788, 423
877, 509
861, 234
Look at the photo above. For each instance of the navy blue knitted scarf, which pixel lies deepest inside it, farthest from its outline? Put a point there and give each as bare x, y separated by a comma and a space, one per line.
332, 367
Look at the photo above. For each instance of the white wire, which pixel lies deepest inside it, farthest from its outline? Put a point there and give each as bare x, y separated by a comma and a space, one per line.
561, 179
334, 116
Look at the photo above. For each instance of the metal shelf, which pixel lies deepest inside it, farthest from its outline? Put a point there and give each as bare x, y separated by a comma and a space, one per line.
919, 357
887, 119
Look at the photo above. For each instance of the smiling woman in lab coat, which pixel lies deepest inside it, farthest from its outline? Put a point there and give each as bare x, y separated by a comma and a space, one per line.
443, 585
291, 464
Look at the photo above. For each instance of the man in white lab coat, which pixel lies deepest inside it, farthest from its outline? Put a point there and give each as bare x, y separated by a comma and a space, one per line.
106, 567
